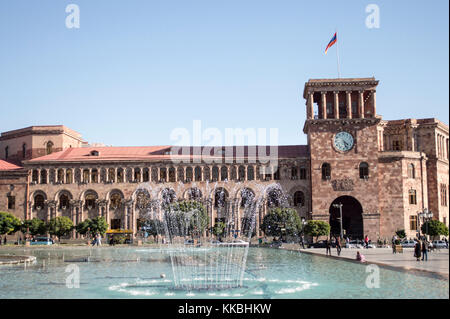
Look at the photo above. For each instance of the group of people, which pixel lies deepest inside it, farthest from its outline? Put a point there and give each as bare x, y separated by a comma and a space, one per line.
421, 249
329, 244
97, 241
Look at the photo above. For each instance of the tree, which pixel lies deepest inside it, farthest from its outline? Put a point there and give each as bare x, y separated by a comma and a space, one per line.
434, 228
60, 226
219, 229
317, 228
9, 223
34, 227
401, 233
98, 225
82, 228
281, 221
153, 227
187, 215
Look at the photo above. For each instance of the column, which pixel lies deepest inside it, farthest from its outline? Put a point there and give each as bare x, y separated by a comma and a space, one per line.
74, 221
64, 175
310, 106
336, 104
99, 174
133, 219
90, 176
125, 222
47, 176
361, 104
115, 174
107, 214
349, 104
374, 102
324, 104
39, 176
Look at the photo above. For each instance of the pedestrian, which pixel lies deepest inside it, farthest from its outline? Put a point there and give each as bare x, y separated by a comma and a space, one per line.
425, 250
328, 246
4, 240
302, 241
366, 241
394, 243
360, 257
446, 242
347, 242
417, 250
338, 246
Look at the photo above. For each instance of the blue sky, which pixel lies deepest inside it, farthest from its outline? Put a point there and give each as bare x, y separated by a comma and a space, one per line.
135, 70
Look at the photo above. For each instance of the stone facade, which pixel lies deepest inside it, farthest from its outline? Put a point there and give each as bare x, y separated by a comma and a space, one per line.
392, 171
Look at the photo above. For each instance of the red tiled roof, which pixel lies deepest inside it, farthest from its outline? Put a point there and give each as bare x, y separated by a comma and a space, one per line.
5, 166
150, 153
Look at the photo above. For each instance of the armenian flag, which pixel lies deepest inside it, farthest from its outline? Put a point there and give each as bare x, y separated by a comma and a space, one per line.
332, 41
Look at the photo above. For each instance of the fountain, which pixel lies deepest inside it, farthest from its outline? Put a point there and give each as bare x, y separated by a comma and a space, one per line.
198, 261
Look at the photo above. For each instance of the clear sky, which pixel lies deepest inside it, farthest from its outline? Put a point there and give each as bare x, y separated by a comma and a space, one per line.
135, 70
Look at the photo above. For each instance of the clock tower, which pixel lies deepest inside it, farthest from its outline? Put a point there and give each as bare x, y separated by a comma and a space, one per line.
344, 140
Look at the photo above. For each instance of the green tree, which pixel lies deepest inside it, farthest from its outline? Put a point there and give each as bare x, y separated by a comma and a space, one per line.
9, 223
434, 228
60, 226
190, 215
317, 228
82, 228
401, 233
280, 221
98, 225
219, 229
34, 227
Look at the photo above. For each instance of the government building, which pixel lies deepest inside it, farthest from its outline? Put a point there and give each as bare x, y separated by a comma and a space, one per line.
382, 174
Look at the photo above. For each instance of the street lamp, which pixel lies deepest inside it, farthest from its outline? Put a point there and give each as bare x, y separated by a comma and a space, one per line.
340, 219
427, 216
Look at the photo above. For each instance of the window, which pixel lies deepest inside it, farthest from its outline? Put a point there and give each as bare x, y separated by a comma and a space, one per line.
35, 176
326, 171
90, 201
241, 173
299, 199
215, 174
172, 174
63, 201
49, 147
364, 170
247, 197
250, 173
146, 175
85, 176
329, 109
24, 150
412, 197
303, 173
115, 201
397, 145
413, 222
60, 177
294, 173
443, 195
198, 174
39, 202
111, 174
6, 152
276, 175
189, 174
411, 171
94, 153
11, 202
274, 197
220, 197
354, 108
224, 173
194, 194
43, 176
342, 110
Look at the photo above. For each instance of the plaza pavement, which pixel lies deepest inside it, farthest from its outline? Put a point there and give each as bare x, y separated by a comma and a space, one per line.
438, 261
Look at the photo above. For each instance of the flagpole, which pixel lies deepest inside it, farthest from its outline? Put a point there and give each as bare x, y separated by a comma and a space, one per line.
337, 54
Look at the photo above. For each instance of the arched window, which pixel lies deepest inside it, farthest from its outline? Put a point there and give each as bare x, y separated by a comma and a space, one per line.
189, 174
194, 194
220, 197
137, 174
247, 196
115, 201
111, 175
224, 173
411, 171
274, 197
49, 147
95, 176
39, 202
299, 199
120, 175
60, 175
24, 150
294, 173
63, 201
35, 176
326, 171
364, 170
142, 199
198, 174
168, 196
86, 176
162, 174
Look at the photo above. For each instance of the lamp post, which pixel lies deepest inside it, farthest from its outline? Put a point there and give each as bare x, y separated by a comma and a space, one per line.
427, 216
340, 219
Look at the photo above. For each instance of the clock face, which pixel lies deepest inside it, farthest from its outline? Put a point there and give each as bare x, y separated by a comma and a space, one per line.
343, 141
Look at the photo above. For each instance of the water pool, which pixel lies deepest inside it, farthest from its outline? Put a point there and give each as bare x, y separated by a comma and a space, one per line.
134, 272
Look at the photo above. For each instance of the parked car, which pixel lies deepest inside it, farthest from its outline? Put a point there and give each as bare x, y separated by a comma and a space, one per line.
408, 243
42, 241
439, 244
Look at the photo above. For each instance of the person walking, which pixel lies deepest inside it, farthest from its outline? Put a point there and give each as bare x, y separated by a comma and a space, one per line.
425, 250
446, 242
302, 241
338, 246
328, 246
394, 243
99, 240
366, 241
417, 250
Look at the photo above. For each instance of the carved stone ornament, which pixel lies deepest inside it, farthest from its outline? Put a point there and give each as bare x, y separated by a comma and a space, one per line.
342, 185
